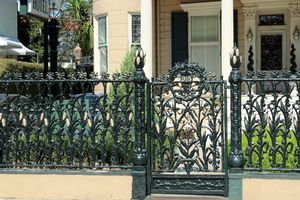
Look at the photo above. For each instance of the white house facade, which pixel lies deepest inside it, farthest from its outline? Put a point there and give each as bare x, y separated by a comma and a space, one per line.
205, 31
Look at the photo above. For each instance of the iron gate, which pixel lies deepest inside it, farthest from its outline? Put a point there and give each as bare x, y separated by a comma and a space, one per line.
187, 140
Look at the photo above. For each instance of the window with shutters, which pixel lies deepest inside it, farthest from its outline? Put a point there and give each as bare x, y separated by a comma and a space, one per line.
103, 44
204, 42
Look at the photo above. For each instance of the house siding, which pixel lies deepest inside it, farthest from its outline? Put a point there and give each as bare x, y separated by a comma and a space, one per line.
117, 13
164, 10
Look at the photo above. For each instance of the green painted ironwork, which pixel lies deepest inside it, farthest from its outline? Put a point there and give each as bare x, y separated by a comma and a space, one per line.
204, 184
58, 122
188, 135
171, 132
236, 159
271, 121
140, 81
139, 154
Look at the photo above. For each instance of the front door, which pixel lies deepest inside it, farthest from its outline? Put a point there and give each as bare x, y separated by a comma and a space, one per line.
272, 51
272, 42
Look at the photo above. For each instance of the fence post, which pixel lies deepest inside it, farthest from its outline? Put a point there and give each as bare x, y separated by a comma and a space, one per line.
139, 154
236, 158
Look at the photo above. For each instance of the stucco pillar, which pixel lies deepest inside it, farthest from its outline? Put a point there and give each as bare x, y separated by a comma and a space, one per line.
227, 36
250, 24
147, 36
295, 21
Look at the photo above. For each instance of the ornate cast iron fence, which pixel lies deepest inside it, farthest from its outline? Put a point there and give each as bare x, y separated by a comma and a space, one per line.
58, 122
45, 123
265, 119
188, 133
271, 117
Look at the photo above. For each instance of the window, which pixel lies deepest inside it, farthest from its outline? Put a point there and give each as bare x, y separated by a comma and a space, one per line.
271, 20
135, 31
204, 42
103, 44
271, 51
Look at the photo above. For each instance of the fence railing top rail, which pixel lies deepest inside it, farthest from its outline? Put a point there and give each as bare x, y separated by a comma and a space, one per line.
270, 75
66, 76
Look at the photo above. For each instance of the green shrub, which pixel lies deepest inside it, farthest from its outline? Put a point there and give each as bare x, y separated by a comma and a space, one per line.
267, 157
11, 65
127, 65
291, 162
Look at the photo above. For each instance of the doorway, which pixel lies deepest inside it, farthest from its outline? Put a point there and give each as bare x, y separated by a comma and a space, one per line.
272, 50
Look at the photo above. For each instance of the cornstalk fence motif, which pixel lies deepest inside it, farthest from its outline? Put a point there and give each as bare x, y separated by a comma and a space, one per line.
264, 118
188, 109
170, 132
45, 124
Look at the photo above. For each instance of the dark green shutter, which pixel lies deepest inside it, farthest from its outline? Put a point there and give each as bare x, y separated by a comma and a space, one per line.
179, 37
235, 27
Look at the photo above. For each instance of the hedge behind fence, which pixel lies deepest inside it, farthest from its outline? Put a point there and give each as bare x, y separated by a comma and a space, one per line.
11, 65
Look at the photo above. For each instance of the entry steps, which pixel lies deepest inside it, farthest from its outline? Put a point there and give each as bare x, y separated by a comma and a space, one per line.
183, 197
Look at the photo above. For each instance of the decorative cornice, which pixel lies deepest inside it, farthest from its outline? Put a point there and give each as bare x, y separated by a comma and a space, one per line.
251, 6
249, 12
294, 2
294, 9
276, 2
265, 4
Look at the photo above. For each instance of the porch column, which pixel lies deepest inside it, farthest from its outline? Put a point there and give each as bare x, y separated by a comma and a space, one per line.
147, 39
250, 27
295, 22
227, 36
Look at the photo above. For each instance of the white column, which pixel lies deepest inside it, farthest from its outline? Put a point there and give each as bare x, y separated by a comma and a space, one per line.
250, 23
147, 41
295, 21
227, 36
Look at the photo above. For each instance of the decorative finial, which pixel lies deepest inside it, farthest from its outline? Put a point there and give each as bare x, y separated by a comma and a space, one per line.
235, 58
139, 63
139, 58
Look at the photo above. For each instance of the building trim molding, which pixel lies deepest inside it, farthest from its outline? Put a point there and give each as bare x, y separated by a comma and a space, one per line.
249, 12
294, 10
207, 8
270, 4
